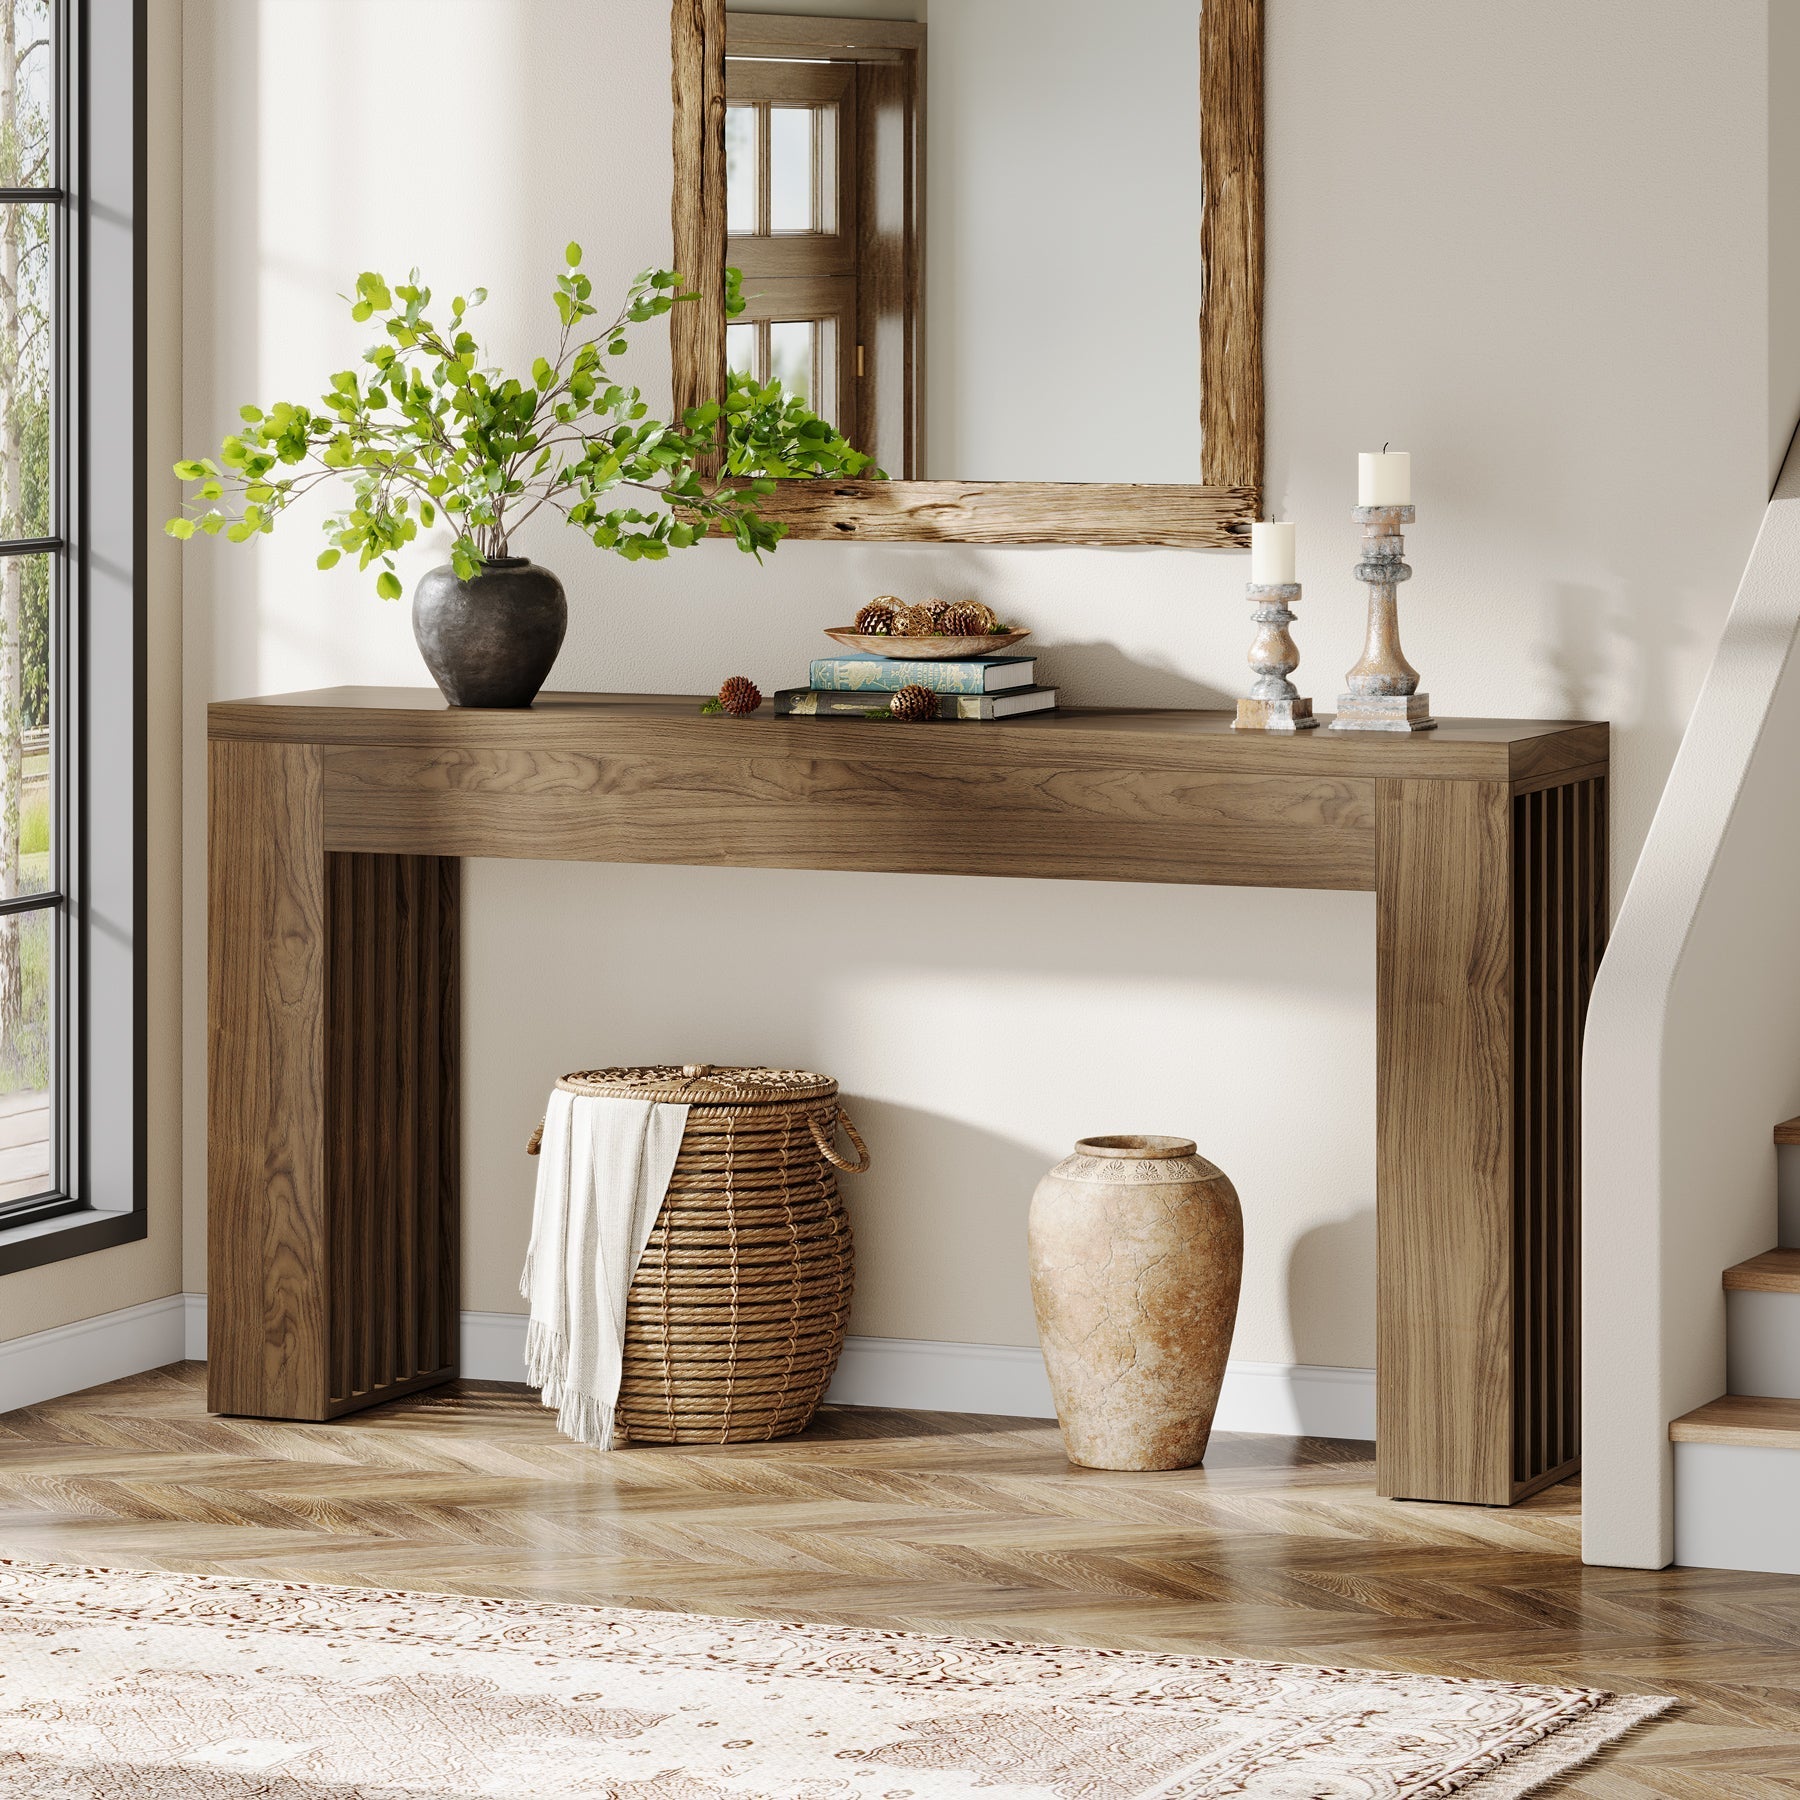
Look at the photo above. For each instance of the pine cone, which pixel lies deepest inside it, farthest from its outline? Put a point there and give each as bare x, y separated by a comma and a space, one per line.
937, 608
914, 621
739, 695
878, 616
913, 704
969, 618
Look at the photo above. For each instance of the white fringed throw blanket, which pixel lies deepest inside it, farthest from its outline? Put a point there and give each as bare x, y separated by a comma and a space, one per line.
603, 1169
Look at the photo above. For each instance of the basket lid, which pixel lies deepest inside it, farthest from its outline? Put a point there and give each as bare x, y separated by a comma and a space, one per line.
701, 1084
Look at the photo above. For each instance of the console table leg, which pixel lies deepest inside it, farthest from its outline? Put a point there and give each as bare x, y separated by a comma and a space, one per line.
1444, 1207
265, 1171
333, 1157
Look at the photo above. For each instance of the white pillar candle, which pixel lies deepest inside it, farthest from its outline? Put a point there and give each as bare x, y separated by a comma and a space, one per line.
1271, 552
1384, 478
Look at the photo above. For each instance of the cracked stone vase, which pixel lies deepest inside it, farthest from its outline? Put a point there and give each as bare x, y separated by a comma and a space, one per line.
490, 641
1137, 1249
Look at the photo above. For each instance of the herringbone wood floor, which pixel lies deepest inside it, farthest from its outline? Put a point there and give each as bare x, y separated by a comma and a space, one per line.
1278, 1548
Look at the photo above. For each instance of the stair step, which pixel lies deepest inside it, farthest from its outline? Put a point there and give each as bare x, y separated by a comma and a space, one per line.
1774, 1272
1741, 1419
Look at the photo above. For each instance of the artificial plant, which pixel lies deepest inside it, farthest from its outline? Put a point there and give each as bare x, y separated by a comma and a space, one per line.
430, 431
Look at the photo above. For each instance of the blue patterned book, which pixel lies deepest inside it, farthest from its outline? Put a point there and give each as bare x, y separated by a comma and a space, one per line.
888, 674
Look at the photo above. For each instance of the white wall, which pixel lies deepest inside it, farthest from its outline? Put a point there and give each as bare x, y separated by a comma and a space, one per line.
57, 1294
1557, 300
1784, 228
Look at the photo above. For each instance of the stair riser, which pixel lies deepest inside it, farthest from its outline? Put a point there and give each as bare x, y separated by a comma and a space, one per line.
1762, 1344
1737, 1507
1787, 1187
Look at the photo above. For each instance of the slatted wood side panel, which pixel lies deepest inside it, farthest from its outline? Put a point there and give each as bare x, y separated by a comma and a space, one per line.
391, 1141
1559, 926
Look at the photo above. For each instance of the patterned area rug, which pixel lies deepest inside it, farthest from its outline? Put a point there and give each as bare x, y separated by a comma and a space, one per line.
155, 1686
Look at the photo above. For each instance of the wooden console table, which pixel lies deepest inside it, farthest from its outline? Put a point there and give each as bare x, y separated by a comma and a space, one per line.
337, 819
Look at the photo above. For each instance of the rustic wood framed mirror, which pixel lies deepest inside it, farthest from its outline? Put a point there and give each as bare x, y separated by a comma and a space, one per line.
995, 294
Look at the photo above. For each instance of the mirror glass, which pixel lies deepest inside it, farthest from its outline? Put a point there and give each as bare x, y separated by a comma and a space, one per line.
969, 230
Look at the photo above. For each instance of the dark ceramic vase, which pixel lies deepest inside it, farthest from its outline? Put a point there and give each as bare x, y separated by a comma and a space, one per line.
490, 641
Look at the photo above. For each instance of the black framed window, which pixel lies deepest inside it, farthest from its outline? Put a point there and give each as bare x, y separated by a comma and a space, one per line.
73, 525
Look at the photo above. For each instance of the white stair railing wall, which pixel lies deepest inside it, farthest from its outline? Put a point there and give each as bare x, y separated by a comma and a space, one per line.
1692, 1056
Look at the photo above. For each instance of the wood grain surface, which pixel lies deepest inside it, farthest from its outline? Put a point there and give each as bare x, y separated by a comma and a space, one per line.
799, 34
1741, 1419
1231, 243
1513, 750
697, 329
1774, 1272
265, 1168
1192, 517
1788, 1132
1444, 1219
906, 812
1279, 1548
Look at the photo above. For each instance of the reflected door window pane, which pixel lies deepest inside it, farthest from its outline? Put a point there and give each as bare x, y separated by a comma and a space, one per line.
740, 169
791, 343
792, 169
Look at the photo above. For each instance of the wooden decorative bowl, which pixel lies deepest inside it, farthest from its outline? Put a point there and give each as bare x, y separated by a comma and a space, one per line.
924, 649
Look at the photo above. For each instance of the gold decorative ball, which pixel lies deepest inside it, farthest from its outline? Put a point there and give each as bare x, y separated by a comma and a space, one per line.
914, 621
969, 618
913, 704
877, 617
740, 696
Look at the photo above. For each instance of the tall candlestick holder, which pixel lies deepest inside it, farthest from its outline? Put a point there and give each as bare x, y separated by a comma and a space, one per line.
1383, 687
1275, 704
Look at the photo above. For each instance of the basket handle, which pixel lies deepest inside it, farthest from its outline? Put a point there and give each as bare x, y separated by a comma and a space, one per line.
537, 1139
823, 1139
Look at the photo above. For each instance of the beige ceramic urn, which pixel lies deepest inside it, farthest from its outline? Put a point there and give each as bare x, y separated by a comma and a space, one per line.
1137, 1247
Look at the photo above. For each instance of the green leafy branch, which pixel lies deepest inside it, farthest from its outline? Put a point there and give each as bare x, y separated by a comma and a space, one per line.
427, 432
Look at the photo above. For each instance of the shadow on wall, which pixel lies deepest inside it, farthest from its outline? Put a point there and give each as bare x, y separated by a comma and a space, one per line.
944, 1205
1322, 1265
978, 1026
1101, 674
1581, 661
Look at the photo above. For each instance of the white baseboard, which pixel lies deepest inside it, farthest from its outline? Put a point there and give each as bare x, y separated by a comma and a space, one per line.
67, 1358
1286, 1399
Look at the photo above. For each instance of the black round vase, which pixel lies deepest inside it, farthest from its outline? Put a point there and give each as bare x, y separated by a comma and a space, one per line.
490, 641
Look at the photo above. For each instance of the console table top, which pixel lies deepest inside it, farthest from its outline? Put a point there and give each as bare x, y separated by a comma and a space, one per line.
1459, 749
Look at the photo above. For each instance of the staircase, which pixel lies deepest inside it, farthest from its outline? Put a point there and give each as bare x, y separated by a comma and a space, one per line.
1737, 1459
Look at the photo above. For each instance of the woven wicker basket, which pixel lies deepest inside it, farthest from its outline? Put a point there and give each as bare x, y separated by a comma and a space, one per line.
737, 1312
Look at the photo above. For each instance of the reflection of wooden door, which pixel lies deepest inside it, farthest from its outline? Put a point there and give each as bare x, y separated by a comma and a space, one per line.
822, 186
791, 193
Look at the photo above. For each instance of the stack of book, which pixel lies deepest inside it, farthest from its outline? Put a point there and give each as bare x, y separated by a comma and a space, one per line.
855, 687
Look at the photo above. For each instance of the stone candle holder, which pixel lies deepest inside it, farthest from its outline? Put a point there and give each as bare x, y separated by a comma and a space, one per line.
1383, 687
1274, 703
